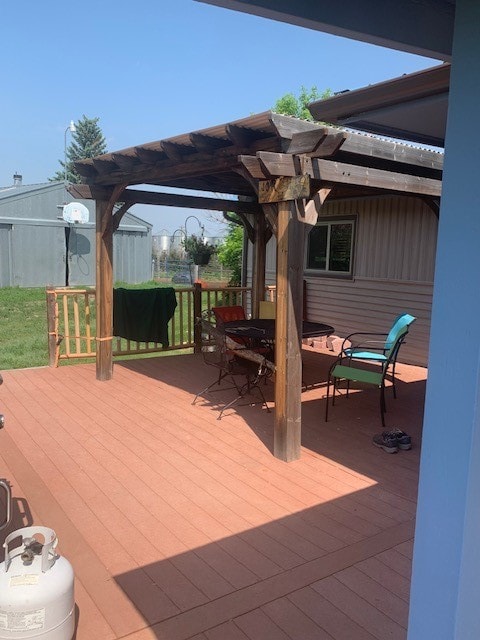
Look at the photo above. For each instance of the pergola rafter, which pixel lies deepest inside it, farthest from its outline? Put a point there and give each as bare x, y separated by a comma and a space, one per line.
281, 170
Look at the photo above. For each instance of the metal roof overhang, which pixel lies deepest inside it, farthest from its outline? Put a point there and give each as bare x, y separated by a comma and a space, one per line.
411, 107
422, 27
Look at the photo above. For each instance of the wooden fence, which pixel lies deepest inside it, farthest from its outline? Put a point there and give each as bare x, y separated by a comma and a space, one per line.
71, 315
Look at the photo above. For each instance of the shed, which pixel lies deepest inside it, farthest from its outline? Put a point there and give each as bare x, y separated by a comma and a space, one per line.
37, 247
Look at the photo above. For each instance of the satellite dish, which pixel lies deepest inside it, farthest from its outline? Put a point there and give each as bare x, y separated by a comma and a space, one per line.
75, 212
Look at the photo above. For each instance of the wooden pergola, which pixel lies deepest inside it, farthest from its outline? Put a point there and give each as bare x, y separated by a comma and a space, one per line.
281, 171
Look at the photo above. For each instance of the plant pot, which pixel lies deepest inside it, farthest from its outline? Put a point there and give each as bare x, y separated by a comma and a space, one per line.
201, 260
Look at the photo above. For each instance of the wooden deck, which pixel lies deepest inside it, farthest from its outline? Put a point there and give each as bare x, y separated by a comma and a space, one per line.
182, 526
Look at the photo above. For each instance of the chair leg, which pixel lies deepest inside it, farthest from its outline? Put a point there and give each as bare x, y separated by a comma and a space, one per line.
393, 380
247, 388
250, 385
382, 404
328, 395
264, 402
221, 376
228, 405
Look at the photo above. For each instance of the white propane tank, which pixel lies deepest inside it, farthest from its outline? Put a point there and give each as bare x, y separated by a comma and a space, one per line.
36, 588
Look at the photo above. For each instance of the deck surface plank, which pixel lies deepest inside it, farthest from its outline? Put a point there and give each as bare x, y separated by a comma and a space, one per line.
185, 527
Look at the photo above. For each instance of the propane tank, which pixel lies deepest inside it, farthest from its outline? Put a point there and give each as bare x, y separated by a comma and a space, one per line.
4, 485
36, 588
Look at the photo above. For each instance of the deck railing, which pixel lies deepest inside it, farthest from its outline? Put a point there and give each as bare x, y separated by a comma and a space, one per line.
71, 315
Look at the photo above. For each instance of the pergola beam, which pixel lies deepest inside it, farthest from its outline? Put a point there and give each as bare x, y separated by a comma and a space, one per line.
339, 172
134, 196
318, 143
267, 164
252, 165
278, 164
162, 171
372, 147
310, 211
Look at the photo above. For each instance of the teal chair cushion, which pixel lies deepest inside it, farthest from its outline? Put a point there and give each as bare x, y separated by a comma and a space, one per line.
365, 355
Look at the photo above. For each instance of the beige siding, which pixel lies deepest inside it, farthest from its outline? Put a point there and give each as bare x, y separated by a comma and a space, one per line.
395, 237
393, 272
370, 305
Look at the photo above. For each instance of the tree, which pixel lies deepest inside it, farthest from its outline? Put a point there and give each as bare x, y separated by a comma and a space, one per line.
230, 252
291, 105
88, 141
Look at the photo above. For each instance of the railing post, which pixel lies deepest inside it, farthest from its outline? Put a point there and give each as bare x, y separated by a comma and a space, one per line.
52, 327
197, 312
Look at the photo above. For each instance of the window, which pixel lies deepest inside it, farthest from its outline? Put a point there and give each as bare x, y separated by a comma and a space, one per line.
330, 247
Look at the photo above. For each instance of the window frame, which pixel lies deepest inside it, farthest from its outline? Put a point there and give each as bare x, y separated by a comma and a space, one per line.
327, 273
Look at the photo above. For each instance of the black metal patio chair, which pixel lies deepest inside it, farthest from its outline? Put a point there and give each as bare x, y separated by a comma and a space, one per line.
242, 368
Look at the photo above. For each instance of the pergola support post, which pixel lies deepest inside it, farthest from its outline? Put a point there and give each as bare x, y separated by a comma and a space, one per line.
104, 289
288, 326
197, 313
259, 262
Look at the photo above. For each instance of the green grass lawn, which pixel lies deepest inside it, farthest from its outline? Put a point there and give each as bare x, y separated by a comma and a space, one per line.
23, 328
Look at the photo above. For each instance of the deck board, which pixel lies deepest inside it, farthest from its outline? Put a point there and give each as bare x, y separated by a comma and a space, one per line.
183, 526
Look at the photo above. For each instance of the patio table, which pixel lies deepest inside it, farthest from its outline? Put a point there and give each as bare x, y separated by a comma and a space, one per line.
264, 329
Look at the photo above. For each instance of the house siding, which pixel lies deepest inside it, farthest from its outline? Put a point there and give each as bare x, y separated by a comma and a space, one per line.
394, 259
367, 304
395, 238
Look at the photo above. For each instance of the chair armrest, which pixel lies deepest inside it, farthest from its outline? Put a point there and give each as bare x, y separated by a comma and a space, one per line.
366, 333
361, 345
369, 345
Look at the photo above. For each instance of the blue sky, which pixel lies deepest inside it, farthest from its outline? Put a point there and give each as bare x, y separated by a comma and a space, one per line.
156, 69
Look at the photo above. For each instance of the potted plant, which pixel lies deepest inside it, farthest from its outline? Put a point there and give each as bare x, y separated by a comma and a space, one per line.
198, 250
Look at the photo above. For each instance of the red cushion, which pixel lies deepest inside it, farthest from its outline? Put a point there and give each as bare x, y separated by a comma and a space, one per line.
227, 314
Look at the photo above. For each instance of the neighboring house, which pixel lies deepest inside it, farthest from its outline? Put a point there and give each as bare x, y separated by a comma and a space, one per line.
38, 248
366, 261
